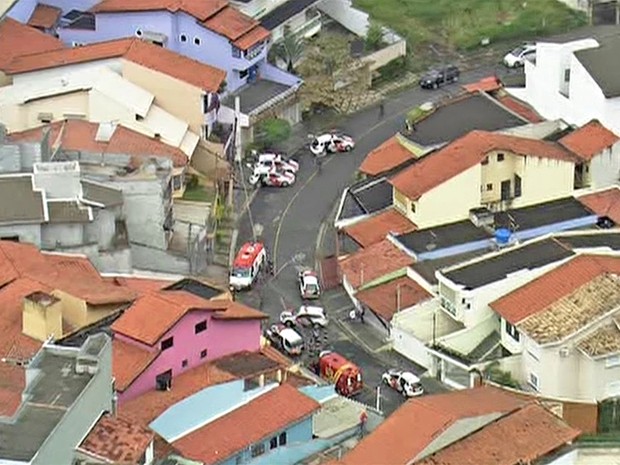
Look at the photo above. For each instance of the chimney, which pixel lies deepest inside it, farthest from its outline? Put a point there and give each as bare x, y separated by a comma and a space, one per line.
42, 316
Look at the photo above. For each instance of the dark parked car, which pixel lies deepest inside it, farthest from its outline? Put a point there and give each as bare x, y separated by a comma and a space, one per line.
438, 77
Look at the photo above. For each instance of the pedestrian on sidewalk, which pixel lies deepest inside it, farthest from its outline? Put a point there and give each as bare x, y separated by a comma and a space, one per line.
319, 162
362, 311
381, 109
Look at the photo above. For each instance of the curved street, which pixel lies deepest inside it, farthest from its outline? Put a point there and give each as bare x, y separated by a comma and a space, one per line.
291, 222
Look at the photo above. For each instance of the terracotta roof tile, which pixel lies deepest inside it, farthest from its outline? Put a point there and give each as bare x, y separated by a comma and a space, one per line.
255, 36
80, 135
553, 286
520, 108
411, 428
238, 311
12, 385
386, 157
129, 361
17, 39
140, 285
384, 299
375, 229
604, 203
604, 341
44, 16
373, 262
534, 432
589, 140
466, 152
117, 439
487, 84
200, 9
269, 413
231, 23
138, 51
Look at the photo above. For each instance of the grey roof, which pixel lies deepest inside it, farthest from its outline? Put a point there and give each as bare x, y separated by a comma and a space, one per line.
461, 116
49, 399
441, 237
19, 202
542, 214
97, 193
495, 268
256, 94
365, 197
427, 268
603, 64
67, 212
246, 364
285, 11
514, 79
195, 287
586, 241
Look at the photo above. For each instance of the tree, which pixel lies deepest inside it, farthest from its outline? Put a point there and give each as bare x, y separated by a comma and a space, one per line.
374, 37
290, 50
332, 77
271, 132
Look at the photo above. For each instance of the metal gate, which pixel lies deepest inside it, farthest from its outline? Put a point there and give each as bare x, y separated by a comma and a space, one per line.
609, 415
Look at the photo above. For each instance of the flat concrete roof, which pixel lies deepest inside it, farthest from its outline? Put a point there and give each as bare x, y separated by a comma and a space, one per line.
589, 241
441, 237
48, 399
256, 94
555, 211
463, 115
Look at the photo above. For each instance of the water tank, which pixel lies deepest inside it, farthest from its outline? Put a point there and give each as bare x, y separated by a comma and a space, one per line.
502, 236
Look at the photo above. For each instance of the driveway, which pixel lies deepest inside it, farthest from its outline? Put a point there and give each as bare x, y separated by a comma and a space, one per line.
292, 221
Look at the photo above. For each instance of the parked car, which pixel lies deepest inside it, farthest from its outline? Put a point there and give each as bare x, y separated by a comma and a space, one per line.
434, 78
516, 58
306, 315
332, 143
403, 382
272, 179
268, 162
309, 286
285, 339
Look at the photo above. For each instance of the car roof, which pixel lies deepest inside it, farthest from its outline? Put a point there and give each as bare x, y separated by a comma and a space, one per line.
410, 377
312, 310
290, 334
325, 137
311, 278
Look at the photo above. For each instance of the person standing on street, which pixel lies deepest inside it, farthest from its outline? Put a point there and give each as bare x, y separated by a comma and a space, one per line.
381, 109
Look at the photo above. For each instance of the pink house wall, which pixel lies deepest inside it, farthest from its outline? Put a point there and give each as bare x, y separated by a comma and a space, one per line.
221, 338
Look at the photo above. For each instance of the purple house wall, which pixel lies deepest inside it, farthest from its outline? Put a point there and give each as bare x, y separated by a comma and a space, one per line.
22, 10
222, 337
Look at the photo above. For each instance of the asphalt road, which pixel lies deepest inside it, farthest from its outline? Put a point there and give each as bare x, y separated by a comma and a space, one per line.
291, 223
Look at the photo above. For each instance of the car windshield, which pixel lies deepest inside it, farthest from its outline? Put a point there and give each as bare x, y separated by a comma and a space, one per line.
518, 51
295, 343
312, 288
241, 272
315, 143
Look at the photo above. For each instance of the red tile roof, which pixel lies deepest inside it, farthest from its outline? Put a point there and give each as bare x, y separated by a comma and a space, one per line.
537, 295
200, 9
269, 413
466, 152
141, 52
386, 299
520, 108
386, 157
118, 440
237, 311
230, 23
12, 384
374, 229
589, 140
255, 36
141, 285
80, 135
44, 16
533, 433
604, 203
418, 422
129, 361
373, 262
487, 84
17, 39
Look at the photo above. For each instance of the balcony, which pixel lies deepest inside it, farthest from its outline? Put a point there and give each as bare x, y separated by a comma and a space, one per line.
310, 28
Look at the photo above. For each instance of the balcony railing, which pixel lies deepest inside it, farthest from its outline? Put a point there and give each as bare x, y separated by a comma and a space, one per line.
311, 25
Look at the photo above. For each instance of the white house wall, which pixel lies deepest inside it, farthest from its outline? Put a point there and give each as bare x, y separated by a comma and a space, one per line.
605, 167
26, 78
30, 233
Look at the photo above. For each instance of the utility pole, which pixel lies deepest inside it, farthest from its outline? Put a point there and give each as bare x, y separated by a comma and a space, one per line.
378, 401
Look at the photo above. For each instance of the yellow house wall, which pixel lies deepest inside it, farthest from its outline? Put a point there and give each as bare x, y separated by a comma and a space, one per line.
494, 172
208, 163
39, 322
448, 202
176, 97
73, 309
21, 117
543, 180
5, 80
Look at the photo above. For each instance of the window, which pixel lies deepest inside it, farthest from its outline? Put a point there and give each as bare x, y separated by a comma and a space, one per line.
533, 381
257, 449
489, 187
167, 343
184, 363
243, 74
139, 117
139, 32
163, 381
183, 38
236, 53
567, 75
203, 353
200, 327
612, 361
412, 207
177, 182
282, 439
512, 331
196, 40
273, 442
500, 157
517, 185
485, 161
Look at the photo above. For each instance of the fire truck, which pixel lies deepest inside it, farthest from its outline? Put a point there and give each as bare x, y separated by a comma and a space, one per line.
345, 375
248, 263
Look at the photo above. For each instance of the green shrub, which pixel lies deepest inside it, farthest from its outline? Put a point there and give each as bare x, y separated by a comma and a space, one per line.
374, 37
270, 132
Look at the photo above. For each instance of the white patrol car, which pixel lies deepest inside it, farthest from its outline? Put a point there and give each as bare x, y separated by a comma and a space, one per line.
268, 162
306, 315
331, 143
404, 382
309, 286
285, 339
